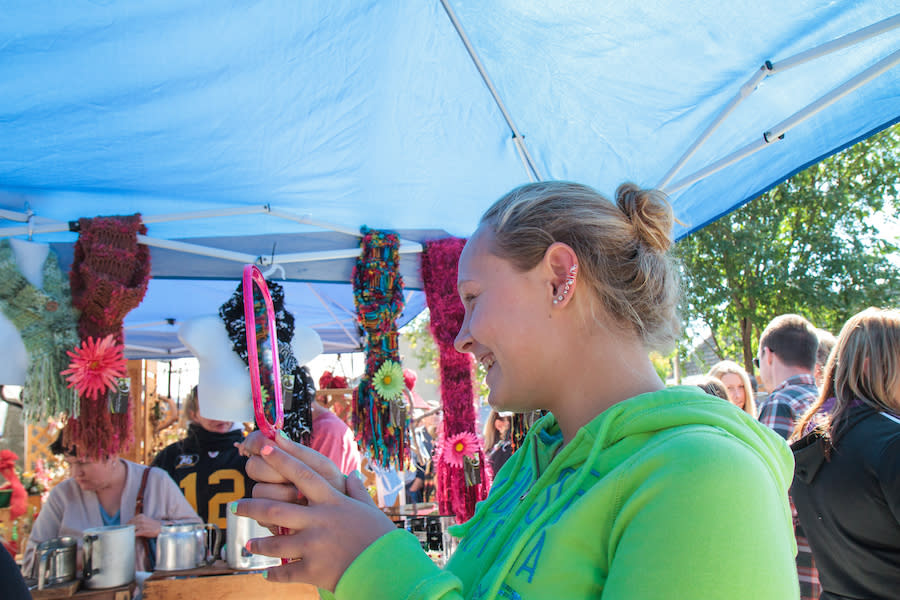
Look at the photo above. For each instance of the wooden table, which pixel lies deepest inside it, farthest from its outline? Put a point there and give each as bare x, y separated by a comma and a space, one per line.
74, 591
222, 583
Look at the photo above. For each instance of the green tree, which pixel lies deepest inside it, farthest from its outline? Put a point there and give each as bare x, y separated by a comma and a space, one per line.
809, 246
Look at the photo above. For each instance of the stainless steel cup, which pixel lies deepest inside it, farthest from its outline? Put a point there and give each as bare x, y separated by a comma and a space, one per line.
187, 546
108, 556
238, 531
56, 561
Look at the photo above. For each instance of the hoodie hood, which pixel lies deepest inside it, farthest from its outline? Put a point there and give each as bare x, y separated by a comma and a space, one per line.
623, 429
619, 434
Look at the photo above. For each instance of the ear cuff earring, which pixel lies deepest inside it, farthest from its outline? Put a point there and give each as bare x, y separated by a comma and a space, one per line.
570, 281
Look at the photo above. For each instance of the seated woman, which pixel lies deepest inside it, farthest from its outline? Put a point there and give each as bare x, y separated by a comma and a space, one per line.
206, 465
105, 492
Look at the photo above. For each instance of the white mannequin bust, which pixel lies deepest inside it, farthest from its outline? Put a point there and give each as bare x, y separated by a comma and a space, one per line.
224, 387
223, 392
30, 258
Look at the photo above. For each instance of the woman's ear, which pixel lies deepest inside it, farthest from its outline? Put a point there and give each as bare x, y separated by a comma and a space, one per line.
562, 267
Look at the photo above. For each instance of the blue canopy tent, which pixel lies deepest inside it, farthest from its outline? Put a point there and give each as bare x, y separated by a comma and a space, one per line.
271, 131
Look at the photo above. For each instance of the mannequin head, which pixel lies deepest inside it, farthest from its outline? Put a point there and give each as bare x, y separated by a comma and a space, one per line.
224, 387
223, 393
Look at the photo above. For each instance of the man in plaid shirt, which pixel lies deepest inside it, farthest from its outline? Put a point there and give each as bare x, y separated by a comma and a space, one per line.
786, 361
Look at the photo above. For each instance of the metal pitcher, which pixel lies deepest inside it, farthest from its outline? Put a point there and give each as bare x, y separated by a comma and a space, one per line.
187, 546
56, 561
239, 530
108, 556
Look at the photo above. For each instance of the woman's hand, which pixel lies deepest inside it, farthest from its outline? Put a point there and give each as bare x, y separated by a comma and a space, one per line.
271, 484
328, 533
144, 526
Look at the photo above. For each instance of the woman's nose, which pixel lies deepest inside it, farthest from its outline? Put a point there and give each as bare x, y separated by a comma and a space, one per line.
463, 341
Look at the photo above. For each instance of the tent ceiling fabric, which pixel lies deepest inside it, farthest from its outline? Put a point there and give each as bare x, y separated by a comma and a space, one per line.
370, 113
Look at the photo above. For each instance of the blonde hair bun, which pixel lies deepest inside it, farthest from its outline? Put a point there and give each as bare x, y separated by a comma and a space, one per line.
650, 214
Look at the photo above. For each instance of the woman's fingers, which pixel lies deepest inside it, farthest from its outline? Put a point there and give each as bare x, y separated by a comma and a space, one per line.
289, 546
272, 513
356, 489
259, 471
281, 492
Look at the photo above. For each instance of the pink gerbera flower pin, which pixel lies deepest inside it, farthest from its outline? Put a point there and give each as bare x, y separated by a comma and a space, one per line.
95, 366
457, 447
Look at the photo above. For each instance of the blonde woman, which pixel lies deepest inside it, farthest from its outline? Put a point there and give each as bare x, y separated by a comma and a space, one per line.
497, 444
737, 383
847, 482
617, 492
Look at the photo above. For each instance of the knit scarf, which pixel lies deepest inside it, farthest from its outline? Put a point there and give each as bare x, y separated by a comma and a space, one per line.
109, 277
47, 323
378, 296
440, 266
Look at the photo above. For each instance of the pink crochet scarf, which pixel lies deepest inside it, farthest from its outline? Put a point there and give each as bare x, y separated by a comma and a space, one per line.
440, 265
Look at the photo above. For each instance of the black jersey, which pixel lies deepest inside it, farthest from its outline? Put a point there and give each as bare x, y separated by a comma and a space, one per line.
209, 470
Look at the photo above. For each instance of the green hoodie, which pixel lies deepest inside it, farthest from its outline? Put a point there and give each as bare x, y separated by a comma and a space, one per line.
671, 494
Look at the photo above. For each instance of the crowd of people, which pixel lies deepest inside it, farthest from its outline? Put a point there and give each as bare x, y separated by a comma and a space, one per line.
618, 490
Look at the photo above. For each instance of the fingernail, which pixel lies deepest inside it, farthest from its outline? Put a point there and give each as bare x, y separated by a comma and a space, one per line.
247, 546
266, 450
232, 506
357, 474
265, 574
285, 436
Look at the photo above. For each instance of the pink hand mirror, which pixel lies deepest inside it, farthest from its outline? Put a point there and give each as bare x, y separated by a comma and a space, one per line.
262, 353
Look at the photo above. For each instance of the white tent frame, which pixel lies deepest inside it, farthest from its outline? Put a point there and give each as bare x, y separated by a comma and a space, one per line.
777, 132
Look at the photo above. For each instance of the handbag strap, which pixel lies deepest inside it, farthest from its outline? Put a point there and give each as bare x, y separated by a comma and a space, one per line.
139, 505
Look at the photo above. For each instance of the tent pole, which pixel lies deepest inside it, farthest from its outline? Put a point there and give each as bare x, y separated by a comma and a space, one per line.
777, 132
745, 90
768, 69
533, 172
851, 39
406, 246
315, 292
206, 214
197, 249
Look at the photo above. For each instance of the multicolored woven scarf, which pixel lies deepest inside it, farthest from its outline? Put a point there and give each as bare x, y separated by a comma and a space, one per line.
380, 423
440, 265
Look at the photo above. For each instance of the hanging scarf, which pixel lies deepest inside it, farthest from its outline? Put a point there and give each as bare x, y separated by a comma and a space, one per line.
461, 484
47, 323
109, 277
380, 419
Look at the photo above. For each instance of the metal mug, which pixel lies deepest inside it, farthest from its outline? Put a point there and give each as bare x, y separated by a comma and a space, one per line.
108, 556
56, 561
238, 530
187, 546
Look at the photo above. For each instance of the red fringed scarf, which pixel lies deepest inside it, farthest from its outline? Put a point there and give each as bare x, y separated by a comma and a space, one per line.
109, 277
440, 265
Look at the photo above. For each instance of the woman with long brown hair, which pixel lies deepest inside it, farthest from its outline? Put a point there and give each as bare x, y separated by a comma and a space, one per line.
847, 479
